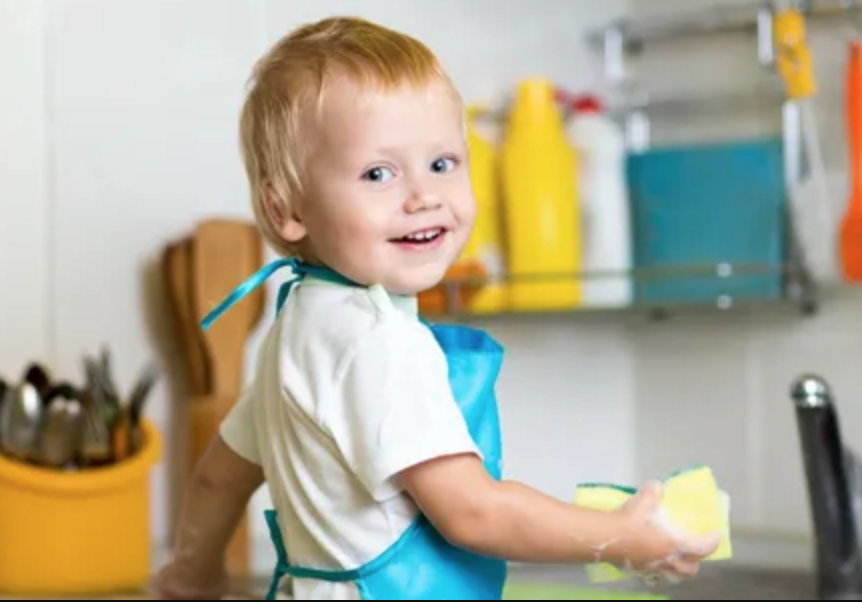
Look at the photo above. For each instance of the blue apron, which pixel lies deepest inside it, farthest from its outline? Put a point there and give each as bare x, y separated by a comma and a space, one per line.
422, 564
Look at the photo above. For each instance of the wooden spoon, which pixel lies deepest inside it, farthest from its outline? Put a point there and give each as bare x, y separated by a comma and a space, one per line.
176, 267
225, 252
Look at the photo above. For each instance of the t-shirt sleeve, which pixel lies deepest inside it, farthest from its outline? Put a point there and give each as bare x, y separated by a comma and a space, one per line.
393, 407
238, 429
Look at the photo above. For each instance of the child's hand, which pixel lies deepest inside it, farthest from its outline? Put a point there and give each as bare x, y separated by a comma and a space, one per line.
174, 582
651, 546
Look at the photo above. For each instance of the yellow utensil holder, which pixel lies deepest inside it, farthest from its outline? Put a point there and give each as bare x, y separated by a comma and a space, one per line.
75, 533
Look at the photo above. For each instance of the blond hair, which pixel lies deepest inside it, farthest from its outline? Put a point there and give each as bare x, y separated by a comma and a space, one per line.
291, 78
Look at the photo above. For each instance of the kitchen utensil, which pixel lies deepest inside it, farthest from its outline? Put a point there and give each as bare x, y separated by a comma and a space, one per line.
96, 444
851, 224
141, 391
126, 435
178, 274
38, 376
112, 405
61, 390
62, 429
225, 252
97, 371
810, 217
21, 419
72, 427
121, 439
4, 388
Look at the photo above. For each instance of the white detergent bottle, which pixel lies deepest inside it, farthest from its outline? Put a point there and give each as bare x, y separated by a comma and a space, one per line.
607, 251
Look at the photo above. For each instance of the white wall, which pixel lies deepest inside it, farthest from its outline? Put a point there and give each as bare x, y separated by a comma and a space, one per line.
25, 180
119, 124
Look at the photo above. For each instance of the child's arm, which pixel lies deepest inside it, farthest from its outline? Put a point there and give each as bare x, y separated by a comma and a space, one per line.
215, 500
510, 520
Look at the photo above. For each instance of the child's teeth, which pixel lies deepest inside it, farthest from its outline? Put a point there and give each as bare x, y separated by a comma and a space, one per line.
426, 235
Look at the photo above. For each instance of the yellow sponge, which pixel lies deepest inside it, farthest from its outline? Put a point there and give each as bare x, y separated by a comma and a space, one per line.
692, 502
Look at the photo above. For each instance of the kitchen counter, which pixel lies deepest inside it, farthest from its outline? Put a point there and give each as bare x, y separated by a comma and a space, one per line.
762, 569
715, 583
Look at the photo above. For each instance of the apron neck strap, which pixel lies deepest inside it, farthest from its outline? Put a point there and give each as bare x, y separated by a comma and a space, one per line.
299, 271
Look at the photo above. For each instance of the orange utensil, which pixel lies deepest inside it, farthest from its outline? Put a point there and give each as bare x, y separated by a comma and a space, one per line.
851, 225
468, 277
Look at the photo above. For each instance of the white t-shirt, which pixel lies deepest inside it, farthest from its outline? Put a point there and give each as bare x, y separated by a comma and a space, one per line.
350, 389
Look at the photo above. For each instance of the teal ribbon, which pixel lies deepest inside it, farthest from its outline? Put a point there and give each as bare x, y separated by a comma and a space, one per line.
300, 270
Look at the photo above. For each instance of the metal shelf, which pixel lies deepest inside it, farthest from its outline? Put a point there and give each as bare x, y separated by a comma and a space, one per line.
634, 99
619, 38
798, 291
769, 95
632, 33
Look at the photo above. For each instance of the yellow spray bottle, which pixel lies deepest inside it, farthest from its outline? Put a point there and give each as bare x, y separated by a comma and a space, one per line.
542, 215
485, 245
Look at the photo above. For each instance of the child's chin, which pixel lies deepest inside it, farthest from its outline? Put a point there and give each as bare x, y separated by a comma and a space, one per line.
418, 281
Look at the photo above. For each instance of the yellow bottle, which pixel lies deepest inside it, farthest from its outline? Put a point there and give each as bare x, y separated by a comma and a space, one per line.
481, 263
542, 215
485, 244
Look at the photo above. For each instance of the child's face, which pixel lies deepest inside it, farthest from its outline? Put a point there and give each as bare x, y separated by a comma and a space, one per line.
389, 199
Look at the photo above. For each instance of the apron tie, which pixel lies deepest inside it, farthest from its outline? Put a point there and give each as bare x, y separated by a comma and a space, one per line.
299, 270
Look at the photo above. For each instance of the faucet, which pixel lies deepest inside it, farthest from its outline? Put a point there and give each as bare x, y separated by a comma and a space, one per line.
829, 470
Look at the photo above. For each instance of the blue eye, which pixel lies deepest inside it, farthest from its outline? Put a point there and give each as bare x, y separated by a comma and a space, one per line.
442, 165
378, 174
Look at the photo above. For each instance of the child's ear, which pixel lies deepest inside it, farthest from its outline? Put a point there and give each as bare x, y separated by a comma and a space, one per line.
286, 221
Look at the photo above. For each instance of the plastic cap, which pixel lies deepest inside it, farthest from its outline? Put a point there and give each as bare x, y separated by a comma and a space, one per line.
587, 104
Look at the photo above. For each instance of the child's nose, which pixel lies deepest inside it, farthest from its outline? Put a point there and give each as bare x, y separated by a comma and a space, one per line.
422, 200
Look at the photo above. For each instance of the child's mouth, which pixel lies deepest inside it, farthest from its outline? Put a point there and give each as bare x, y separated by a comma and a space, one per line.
422, 238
